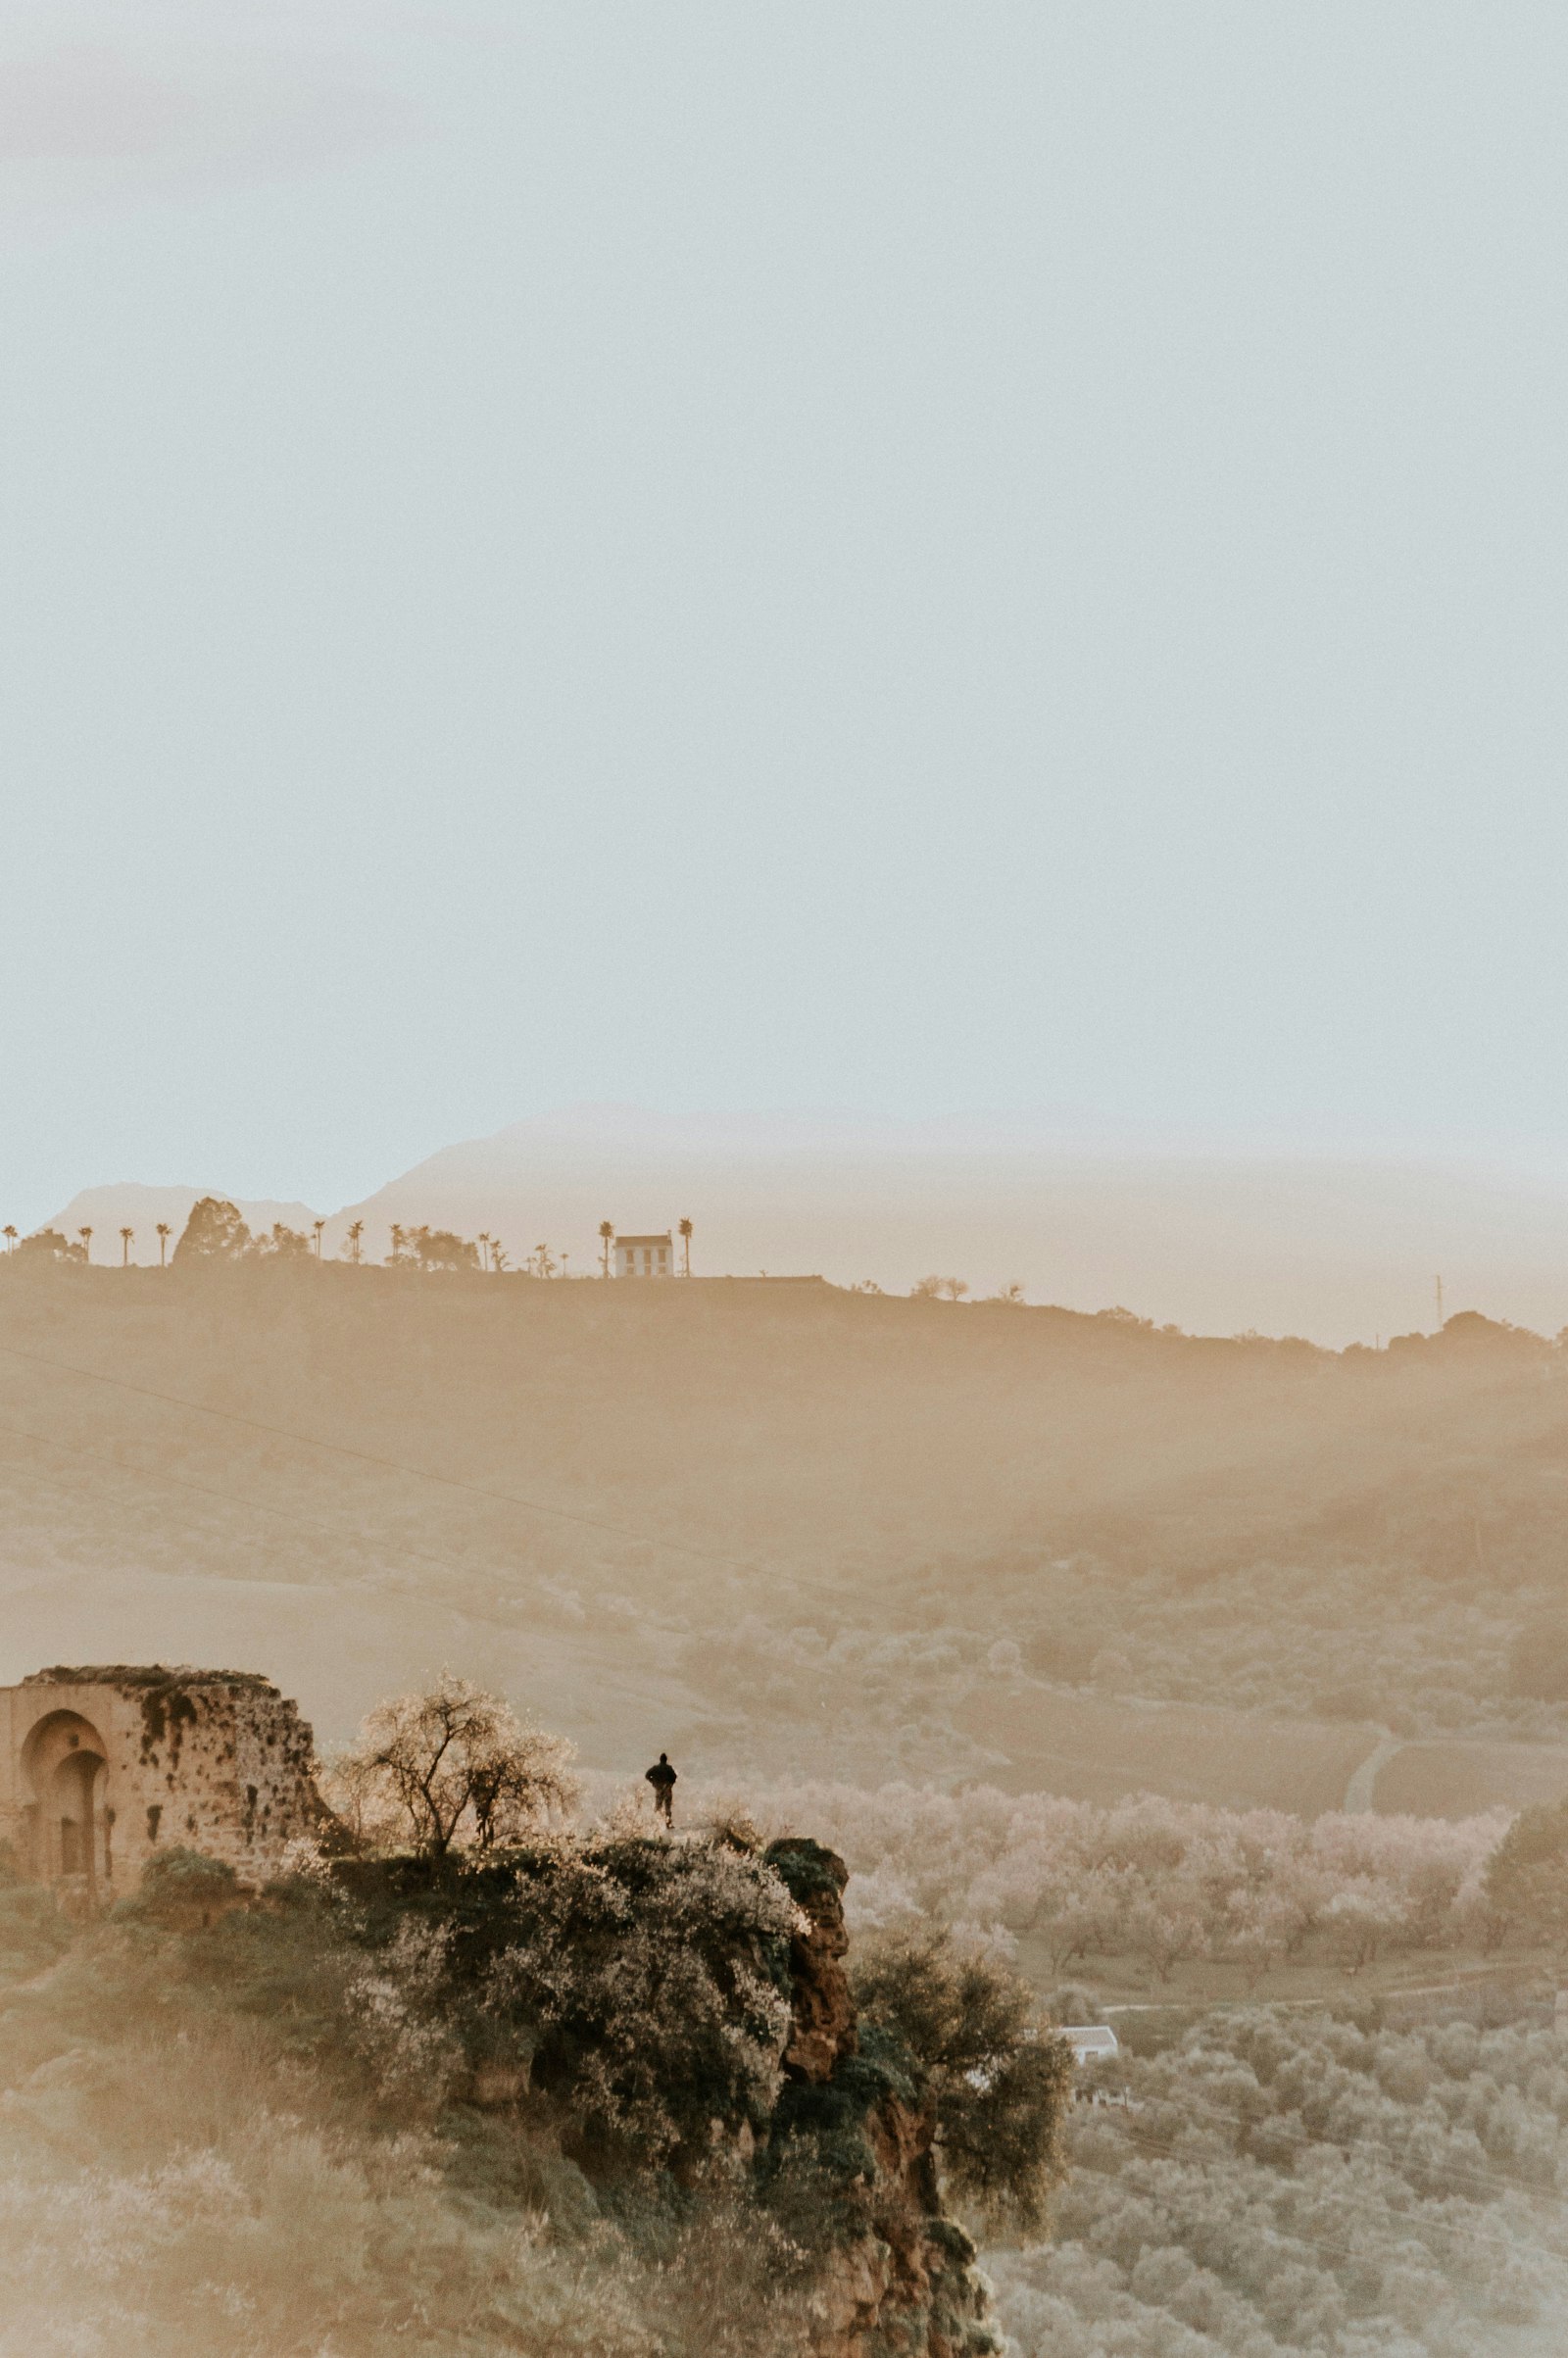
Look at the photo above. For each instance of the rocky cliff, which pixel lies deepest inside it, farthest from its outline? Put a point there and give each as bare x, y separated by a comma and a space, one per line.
901, 2281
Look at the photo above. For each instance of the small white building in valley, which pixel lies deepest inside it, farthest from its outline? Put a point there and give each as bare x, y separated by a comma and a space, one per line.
1091, 2042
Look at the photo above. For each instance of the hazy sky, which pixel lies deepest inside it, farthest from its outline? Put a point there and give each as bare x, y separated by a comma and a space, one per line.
892, 557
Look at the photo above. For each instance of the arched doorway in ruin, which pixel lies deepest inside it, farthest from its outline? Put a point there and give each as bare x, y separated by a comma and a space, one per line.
70, 1824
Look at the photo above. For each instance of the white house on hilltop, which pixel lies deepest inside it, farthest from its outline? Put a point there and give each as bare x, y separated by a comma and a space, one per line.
644, 1256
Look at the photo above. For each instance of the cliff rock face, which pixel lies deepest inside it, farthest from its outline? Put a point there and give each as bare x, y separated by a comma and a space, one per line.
902, 2283
822, 2026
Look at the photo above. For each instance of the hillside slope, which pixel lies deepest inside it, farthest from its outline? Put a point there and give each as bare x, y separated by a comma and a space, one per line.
759, 1520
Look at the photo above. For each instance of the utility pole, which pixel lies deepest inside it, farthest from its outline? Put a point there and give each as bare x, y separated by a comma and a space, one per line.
1438, 1282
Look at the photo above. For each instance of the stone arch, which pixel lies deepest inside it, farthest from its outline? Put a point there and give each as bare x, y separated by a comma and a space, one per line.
65, 1764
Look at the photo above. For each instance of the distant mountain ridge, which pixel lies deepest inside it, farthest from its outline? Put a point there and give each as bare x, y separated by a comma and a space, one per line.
1338, 1250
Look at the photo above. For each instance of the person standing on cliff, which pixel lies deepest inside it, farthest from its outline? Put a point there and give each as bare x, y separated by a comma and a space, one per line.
662, 1777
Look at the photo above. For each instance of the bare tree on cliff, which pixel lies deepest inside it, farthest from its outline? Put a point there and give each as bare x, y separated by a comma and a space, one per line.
451, 1767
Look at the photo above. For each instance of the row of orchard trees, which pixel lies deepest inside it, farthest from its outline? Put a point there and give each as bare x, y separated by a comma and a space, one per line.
216, 1231
1165, 1882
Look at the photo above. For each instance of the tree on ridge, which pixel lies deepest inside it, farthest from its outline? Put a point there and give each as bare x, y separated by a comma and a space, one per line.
215, 1232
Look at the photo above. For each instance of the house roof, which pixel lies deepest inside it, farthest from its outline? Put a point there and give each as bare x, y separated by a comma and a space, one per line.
1091, 2038
644, 1240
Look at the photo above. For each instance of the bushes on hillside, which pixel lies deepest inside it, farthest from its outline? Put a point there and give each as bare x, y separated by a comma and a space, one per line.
1380, 1643
1527, 1875
648, 1981
1000, 2088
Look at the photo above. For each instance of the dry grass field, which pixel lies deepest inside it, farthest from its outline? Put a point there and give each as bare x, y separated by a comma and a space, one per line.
1097, 1750
1405, 1986
1461, 1780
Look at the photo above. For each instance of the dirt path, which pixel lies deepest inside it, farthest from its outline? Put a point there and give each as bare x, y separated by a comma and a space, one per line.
1359, 1793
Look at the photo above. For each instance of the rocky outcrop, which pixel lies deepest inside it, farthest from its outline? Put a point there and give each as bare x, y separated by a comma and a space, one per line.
901, 2282
822, 2027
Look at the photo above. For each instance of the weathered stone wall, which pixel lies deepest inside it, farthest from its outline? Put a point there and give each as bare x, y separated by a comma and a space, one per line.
99, 1768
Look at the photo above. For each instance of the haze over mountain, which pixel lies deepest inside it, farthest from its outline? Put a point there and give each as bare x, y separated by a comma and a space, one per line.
132, 1205
1334, 1248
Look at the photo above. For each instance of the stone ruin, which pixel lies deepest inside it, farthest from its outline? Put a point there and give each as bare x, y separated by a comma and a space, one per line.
99, 1768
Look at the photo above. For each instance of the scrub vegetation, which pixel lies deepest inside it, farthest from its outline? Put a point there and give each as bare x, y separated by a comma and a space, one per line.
1269, 2182
471, 2094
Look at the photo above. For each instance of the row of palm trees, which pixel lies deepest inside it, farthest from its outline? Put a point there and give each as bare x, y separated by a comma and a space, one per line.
128, 1238
541, 1263
163, 1231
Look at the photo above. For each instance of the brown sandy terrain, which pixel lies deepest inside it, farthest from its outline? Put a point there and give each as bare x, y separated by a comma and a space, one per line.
1460, 1780
1095, 1749
346, 1477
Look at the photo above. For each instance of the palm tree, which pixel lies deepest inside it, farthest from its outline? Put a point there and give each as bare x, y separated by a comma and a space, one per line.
484, 1247
607, 1237
318, 1226
355, 1231
498, 1254
685, 1234
85, 1235
10, 1235
164, 1232
126, 1236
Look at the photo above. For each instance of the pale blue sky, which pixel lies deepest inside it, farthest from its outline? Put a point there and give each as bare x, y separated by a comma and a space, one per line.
899, 557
